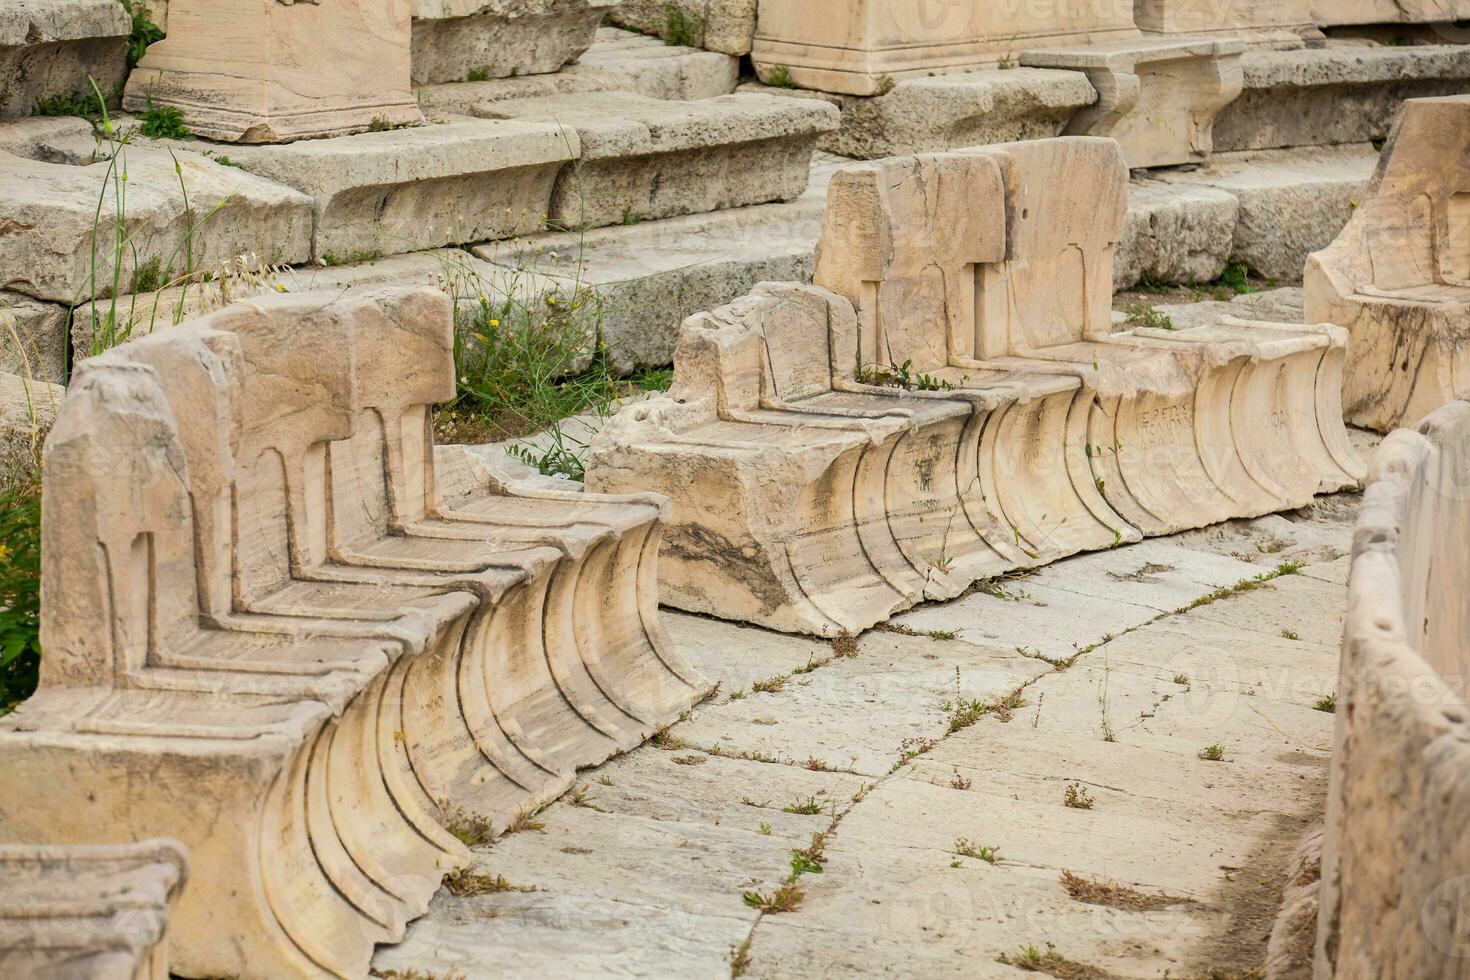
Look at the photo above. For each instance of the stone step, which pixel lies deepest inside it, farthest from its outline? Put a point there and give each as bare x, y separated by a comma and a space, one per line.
643, 158
663, 70
726, 26
50, 50
455, 40
919, 115
1345, 93
1263, 23
59, 249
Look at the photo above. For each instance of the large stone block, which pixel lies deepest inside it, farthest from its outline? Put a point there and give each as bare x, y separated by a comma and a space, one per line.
922, 115
1398, 277
726, 26
1173, 233
458, 39
88, 913
861, 47
1158, 98
1269, 23
32, 338
1395, 868
1341, 13
645, 158
663, 71
279, 630
71, 232
957, 405
263, 71
1341, 94
1290, 202
457, 181
51, 49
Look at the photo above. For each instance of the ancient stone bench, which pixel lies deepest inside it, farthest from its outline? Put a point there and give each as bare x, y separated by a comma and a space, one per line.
1395, 860
950, 401
88, 912
306, 645
1398, 277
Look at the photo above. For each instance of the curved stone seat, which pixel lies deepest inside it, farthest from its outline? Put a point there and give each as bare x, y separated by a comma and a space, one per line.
88, 912
1396, 866
950, 402
257, 615
1398, 277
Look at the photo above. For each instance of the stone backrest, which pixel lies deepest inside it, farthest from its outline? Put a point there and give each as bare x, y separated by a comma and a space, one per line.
118, 571
782, 343
1412, 227
912, 243
1396, 860
978, 253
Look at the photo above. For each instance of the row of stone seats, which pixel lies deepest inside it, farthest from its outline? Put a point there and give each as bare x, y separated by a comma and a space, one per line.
1395, 860
950, 402
1398, 277
88, 912
269, 635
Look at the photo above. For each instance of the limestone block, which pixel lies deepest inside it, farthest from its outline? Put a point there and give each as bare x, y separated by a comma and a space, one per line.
32, 338
663, 71
1159, 99
1394, 867
88, 913
50, 49
957, 405
285, 649
457, 39
263, 71
1174, 233
1267, 23
645, 158
51, 139
462, 180
1398, 277
920, 115
1341, 13
27, 412
726, 26
1291, 202
51, 214
1340, 94
649, 277
470, 98
861, 47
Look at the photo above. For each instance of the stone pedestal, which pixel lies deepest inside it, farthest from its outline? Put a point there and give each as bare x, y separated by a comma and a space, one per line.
268, 71
861, 47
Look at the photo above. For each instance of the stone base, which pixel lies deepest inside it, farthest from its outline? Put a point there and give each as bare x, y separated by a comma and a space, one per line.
1261, 23
726, 26
89, 912
374, 194
644, 158
663, 71
1340, 94
947, 111
1157, 97
455, 40
52, 49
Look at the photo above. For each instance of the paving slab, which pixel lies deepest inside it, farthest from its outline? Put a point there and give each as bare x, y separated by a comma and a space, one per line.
675, 839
